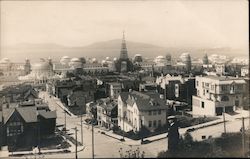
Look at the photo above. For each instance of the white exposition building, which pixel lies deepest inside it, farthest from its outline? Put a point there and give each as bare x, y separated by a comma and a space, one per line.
216, 94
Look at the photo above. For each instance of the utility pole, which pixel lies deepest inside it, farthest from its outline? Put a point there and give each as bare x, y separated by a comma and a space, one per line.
76, 141
81, 125
142, 135
224, 120
93, 146
243, 137
65, 120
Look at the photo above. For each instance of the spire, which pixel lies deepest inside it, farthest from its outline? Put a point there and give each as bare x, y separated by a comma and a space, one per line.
123, 52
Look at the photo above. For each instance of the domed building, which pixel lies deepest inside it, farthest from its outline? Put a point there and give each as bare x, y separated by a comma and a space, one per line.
137, 58
5, 61
41, 71
76, 63
160, 61
65, 60
42, 68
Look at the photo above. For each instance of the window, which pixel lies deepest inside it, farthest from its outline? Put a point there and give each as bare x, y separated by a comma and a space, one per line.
198, 92
159, 112
154, 112
150, 112
202, 104
207, 84
207, 91
212, 87
224, 98
224, 87
203, 91
202, 84
154, 124
159, 123
14, 128
150, 124
197, 83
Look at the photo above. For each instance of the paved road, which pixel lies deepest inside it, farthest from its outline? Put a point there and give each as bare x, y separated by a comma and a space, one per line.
105, 147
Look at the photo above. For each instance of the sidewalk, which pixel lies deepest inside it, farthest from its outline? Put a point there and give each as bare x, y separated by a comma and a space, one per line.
160, 136
59, 103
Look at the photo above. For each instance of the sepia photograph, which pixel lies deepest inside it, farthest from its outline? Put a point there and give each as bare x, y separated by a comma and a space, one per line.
124, 79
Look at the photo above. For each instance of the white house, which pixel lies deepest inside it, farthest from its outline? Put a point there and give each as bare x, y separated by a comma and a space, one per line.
216, 94
137, 109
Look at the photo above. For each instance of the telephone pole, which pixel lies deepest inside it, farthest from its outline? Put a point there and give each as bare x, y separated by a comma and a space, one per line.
81, 127
65, 120
243, 137
224, 120
76, 142
93, 146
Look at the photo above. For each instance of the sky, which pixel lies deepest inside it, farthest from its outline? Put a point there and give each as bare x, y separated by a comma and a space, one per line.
169, 23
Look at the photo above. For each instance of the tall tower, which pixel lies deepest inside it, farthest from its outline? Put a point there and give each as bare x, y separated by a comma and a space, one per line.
205, 60
27, 67
188, 63
124, 52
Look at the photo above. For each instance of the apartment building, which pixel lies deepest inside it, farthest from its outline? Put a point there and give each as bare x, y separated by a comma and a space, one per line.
216, 94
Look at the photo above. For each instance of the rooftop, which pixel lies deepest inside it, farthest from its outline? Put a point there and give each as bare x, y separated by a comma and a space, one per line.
144, 101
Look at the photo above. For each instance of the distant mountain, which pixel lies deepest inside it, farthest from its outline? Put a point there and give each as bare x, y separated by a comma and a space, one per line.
103, 49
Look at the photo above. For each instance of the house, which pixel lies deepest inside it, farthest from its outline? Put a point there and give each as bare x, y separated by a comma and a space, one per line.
91, 110
115, 89
216, 94
137, 110
47, 122
177, 88
22, 125
245, 71
18, 93
79, 98
107, 113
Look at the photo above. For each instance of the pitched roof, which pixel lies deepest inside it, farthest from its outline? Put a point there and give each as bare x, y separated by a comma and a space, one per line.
28, 114
31, 92
146, 101
124, 96
7, 114
47, 114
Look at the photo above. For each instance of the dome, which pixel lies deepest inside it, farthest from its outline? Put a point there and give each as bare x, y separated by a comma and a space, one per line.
65, 57
107, 58
160, 59
185, 56
138, 58
94, 60
65, 60
76, 63
5, 60
75, 60
42, 65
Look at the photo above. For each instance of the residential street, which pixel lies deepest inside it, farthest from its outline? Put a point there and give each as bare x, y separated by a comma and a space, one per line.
104, 146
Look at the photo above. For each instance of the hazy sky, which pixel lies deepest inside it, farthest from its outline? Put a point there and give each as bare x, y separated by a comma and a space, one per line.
209, 23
